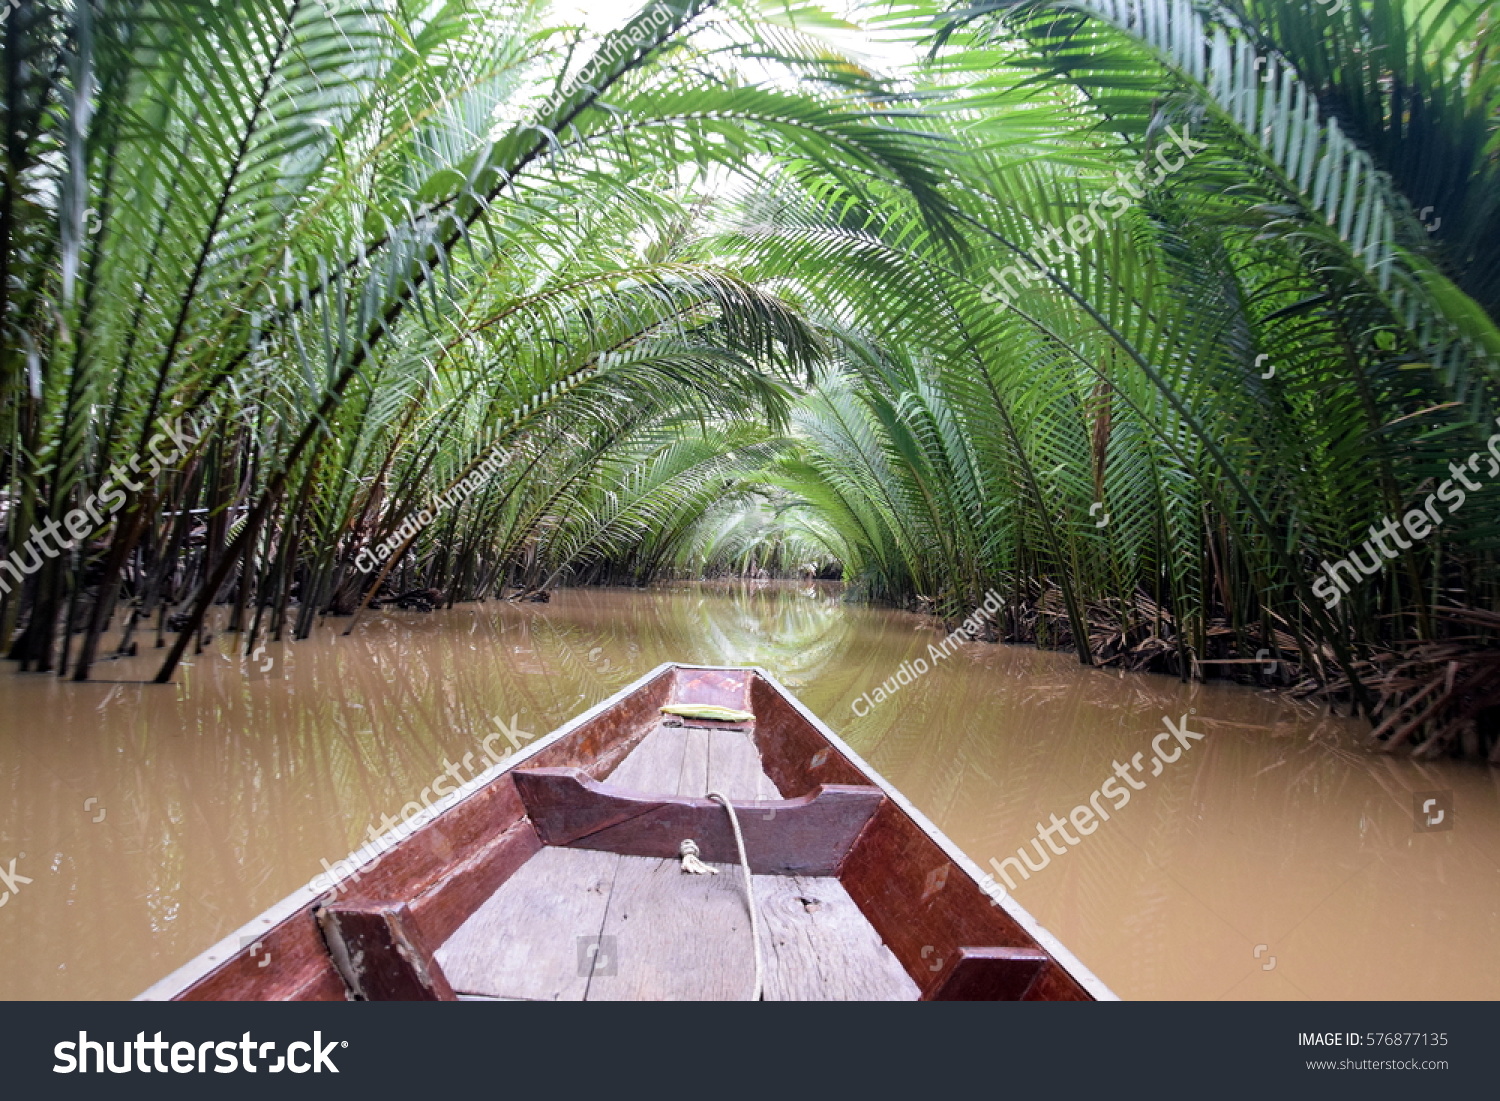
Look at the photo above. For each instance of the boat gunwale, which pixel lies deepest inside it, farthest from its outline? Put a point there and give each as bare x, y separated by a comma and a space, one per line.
1070, 963
224, 951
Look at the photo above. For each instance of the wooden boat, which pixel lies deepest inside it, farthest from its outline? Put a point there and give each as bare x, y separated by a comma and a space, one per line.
558, 874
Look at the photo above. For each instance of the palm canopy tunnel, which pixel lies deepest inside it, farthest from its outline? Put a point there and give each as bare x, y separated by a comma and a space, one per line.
1172, 323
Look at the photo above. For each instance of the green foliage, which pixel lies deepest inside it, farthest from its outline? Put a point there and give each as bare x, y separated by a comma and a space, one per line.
708, 296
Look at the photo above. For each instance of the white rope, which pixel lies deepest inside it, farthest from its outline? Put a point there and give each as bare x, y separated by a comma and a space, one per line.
688, 850
739, 841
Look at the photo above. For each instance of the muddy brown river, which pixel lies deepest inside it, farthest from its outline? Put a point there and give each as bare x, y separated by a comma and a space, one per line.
1273, 857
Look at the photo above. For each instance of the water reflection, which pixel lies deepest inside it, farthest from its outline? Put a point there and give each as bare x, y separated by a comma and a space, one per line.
1277, 859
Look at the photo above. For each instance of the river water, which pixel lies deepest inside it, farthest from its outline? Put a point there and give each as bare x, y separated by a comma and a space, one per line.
1273, 858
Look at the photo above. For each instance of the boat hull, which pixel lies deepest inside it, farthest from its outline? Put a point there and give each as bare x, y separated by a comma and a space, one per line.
835, 816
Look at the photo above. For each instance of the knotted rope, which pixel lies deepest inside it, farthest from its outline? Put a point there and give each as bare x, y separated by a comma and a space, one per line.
688, 850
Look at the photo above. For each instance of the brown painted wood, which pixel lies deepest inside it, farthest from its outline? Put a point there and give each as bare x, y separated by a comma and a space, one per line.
447, 904
720, 687
446, 869
794, 753
1056, 985
325, 985
809, 835
893, 873
991, 975
288, 957
599, 744
431, 852
381, 956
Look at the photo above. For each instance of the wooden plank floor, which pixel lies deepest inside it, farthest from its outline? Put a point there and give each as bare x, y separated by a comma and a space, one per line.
576, 924
676, 760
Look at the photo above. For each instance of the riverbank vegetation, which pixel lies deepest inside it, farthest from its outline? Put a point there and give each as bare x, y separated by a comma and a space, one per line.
1137, 313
